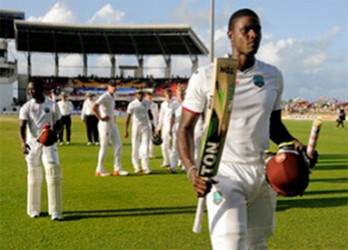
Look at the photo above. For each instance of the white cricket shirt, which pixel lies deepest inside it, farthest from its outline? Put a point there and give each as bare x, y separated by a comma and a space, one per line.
87, 108
65, 107
139, 111
258, 93
106, 104
154, 111
38, 114
166, 113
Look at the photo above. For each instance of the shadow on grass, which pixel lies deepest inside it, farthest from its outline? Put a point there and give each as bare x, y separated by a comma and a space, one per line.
333, 180
334, 156
147, 211
283, 205
326, 192
338, 166
332, 162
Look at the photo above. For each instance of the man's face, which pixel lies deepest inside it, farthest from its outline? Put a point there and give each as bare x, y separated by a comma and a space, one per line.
34, 90
167, 96
112, 89
245, 35
139, 96
149, 98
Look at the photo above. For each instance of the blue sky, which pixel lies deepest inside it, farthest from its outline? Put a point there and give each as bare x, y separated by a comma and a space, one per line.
306, 39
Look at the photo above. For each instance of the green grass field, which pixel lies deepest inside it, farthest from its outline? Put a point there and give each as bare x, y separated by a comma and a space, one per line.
157, 211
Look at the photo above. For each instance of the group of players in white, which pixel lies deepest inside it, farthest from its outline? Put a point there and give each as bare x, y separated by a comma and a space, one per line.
144, 115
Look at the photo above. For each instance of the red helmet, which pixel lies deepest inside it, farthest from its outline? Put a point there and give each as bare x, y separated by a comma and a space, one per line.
287, 172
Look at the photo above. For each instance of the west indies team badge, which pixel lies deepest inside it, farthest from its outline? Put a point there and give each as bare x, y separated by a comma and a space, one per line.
217, 197
259, 81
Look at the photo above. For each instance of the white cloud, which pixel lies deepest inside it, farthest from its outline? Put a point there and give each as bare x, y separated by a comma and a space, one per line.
70, 65
316, 59
310, 67
59, 13
107, 15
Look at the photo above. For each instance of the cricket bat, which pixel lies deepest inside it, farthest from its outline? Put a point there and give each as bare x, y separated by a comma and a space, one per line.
217, 119
313, 138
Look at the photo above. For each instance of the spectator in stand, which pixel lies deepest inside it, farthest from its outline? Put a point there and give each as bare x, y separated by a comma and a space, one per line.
341, 117
164, 126
91, 121
66, 108
154, 111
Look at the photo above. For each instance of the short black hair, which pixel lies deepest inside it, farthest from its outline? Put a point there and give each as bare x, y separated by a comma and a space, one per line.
238, 14
38, 83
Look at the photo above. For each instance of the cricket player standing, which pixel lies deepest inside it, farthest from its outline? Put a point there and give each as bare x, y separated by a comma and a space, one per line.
174, 156
103, 109
154, 112
164, 125
66, 108
241, 206
139, 110
88, 117
32, 117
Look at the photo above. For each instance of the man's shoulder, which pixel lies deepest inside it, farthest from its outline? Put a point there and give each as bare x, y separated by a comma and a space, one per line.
26, 105
103, 96
204, 70
49, 101
267, 67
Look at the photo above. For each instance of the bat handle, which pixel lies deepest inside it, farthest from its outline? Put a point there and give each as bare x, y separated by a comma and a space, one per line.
313, 138
197, 225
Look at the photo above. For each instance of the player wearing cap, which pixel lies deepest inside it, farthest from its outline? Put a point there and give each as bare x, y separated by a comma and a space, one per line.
33, 115
241, 205
103, 109
154, 112
66, 108
138, 110
91, 121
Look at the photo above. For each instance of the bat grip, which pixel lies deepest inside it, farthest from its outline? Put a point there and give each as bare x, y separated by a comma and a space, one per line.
197, 225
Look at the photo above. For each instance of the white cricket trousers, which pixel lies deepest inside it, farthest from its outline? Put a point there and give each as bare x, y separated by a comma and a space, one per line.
166, 145
140, 147
48, 156
109, 133
241, 208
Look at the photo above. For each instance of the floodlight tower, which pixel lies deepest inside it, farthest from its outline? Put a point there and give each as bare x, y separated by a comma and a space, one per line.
212, 25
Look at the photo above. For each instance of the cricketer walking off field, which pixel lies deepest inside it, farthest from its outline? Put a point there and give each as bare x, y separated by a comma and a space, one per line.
174, 155
33, 115
154, 112
138, 110
103, 108
241, 206
164, 125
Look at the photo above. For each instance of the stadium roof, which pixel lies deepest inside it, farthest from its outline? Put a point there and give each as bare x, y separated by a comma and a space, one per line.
109, 39
7, 18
